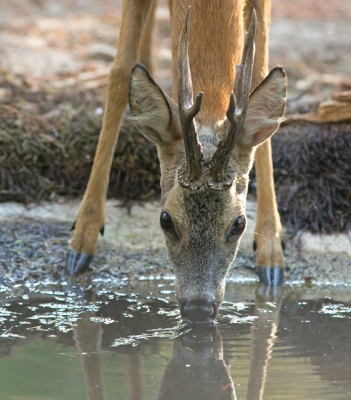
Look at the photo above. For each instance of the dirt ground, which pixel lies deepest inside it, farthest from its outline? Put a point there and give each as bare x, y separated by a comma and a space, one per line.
34, 241
44, 42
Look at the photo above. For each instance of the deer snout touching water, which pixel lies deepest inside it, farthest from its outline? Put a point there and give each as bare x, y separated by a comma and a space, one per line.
206, 143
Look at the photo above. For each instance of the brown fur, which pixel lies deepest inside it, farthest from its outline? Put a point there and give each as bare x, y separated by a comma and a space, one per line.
210, 23
202, 249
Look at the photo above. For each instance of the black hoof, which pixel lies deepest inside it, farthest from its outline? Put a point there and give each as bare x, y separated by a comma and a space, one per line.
77, 263
271, 276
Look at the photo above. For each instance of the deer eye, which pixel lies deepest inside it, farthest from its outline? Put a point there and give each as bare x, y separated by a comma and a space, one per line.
238, 226
166, 222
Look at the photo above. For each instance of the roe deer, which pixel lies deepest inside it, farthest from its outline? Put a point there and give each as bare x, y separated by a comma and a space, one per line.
206, 146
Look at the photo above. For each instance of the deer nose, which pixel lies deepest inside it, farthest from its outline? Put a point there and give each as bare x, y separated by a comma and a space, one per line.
198, 311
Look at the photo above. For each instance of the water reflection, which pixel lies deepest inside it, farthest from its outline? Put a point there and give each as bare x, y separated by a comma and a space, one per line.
87, 337
269, 343
197, 369
268, 302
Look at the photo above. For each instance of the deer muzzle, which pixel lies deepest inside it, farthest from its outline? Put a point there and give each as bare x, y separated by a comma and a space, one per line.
198, 311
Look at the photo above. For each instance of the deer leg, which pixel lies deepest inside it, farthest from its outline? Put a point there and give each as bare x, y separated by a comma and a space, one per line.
268, 238
145, 53
91, 213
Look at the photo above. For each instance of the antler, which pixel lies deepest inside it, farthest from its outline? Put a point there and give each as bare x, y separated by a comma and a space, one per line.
220, 176
190, 174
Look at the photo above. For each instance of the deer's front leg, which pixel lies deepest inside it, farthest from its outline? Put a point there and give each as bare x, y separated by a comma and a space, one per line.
268, 238
91, 214
268, 231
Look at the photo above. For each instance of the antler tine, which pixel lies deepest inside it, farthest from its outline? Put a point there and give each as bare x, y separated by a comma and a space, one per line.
219, 175
190, 174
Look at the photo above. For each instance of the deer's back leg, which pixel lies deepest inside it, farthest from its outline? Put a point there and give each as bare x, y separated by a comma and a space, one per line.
268, 231
91, 214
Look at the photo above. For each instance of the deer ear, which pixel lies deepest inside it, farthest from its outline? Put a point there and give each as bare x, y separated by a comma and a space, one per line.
265, 110
150, 108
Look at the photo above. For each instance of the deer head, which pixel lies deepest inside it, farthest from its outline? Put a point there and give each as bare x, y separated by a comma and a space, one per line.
205, 170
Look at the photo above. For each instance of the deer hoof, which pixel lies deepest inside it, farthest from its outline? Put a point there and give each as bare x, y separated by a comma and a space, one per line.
270, 276
77, 263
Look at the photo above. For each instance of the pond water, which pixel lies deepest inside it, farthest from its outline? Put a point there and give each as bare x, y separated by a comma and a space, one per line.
106, 341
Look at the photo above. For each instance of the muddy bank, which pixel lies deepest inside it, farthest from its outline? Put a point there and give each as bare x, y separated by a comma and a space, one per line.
34, 241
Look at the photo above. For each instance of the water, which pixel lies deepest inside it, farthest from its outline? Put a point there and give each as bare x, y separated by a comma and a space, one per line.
127, 342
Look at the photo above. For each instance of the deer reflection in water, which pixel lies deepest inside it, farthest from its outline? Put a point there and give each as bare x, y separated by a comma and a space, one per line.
198, 368
268, 302
300, 346
87, 337
196, 371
